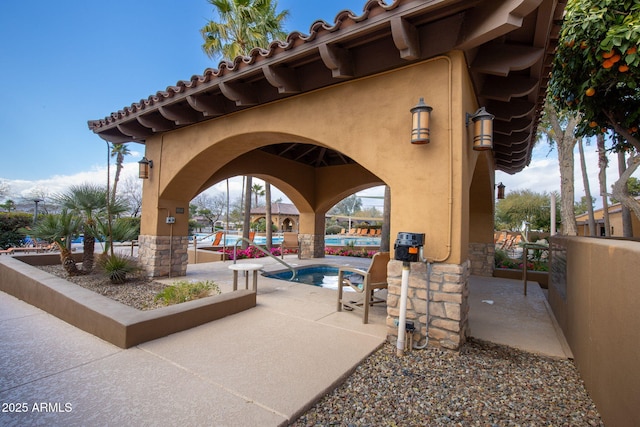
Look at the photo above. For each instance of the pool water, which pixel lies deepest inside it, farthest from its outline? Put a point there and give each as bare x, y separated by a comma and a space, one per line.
324, 276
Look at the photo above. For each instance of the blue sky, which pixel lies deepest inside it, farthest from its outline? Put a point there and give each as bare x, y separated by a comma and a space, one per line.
64, 63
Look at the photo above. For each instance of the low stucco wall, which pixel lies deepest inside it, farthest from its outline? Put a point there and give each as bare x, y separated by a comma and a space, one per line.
594, 293
105, 318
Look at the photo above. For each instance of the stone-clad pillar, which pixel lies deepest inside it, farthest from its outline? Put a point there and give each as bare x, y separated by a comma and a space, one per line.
162, 256
482, 257
448, 302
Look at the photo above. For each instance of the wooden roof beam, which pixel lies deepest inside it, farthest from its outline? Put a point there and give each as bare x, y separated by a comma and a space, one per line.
240, 93
209, 106
406, 38
500, 59
493, 20
338, 60
282, 78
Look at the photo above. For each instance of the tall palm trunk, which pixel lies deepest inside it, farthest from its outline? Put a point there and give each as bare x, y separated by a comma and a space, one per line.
116, 178
603, 162
267, 214
247, 212
587, 190
627, 231
88, 248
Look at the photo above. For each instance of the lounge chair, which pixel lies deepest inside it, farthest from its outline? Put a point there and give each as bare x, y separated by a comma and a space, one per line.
289, 240
216, 240
371, 280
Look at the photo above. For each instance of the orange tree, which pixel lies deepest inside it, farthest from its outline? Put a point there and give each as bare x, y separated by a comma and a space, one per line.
596, 69
596, 75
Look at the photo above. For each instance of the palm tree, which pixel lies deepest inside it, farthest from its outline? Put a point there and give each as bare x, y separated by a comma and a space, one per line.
59, 229
243, 25
118, 151
89, 203
258, 191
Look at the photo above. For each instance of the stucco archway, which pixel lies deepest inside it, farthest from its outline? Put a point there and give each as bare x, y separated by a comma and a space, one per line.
348, 88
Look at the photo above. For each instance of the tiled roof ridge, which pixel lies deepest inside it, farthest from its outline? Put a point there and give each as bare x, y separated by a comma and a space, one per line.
224, 66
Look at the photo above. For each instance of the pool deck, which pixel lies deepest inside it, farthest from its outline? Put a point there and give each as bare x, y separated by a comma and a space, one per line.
261, 367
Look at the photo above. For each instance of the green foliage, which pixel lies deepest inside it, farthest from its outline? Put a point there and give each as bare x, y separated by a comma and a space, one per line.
583, 205
8, 206
58, 228
10, 226
122, 230
242, 25
536, 263
524, 205
633, 187
596, 68
183, 290
333, 229
118, 266
347, 206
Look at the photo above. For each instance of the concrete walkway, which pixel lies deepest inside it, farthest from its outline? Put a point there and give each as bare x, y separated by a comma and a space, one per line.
262, 367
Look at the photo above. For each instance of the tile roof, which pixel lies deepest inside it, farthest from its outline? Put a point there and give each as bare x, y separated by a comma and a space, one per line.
508, 43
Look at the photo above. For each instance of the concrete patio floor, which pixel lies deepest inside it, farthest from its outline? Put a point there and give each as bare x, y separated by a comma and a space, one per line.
261, 367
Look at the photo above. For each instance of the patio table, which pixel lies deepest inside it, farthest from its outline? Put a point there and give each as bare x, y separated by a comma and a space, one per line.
246, 268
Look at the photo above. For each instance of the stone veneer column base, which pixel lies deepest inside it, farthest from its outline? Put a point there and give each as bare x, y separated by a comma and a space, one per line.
482, 257
311, 246
162, 256
448, 303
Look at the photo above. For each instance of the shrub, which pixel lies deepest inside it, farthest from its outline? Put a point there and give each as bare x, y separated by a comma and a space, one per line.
333, 229
10, 225
183, 290
117, 266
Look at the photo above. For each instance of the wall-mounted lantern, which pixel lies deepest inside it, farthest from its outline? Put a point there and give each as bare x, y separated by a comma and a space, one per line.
482, 129
500, 191
143, 168
420, 115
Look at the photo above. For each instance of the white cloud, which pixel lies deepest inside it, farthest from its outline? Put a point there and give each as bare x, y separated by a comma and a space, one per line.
543, 174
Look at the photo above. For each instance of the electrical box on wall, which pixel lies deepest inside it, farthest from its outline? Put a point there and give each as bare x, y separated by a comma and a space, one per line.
171, 220
407, 246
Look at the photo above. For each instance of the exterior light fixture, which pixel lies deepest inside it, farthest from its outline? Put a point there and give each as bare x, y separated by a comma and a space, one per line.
482, 129
143, 168
420, 115
500, 191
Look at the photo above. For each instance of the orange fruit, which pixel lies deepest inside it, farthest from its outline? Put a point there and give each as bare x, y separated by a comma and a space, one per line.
583, 45
615, 58
634, 129
623, 68
608, 55
632, 50
570, 44
607, 64
590, 92
593, 124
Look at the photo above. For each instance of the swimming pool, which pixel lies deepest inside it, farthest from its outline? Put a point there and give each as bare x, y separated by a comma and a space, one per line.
324, 276
333, 240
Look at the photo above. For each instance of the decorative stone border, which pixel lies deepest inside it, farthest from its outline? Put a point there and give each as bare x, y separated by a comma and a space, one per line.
103, 317
448, 302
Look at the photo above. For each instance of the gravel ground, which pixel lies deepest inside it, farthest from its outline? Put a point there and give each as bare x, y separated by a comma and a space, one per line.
483, 385
136, 292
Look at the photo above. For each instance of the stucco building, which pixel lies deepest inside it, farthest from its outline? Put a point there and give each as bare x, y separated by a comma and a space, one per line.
326, 114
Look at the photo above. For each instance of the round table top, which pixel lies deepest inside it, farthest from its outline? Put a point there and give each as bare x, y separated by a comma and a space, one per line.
245, 267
